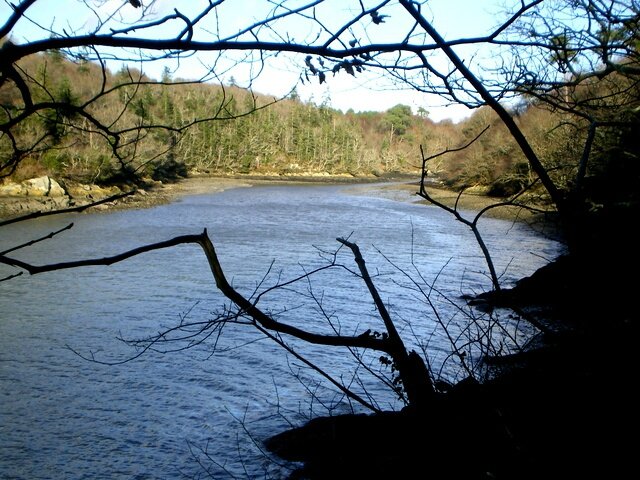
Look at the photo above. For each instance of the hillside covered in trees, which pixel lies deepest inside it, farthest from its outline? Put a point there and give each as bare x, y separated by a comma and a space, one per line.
213, 129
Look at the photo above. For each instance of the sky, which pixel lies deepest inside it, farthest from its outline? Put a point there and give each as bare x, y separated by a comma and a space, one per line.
453, 18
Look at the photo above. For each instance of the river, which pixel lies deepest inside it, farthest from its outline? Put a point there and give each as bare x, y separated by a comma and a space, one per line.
170, 415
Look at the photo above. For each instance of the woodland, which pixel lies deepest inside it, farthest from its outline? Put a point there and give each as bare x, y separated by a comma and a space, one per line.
554, 132
255, 134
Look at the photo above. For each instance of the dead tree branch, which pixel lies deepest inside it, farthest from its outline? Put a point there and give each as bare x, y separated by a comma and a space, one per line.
414, 374
472, 224
78, 209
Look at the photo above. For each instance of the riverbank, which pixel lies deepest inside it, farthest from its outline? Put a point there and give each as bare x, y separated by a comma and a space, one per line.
561, 409
44, 194
47, 194
404, 188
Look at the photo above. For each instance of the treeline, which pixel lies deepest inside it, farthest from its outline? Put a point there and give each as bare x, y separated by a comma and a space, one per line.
168, 128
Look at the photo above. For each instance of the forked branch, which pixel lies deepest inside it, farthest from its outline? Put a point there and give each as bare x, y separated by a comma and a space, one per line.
472, 224
413, 372
245, 305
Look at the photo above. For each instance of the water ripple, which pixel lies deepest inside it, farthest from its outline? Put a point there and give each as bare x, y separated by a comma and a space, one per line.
63, 417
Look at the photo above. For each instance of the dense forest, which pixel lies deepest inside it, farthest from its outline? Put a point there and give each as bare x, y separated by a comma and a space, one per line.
242, 132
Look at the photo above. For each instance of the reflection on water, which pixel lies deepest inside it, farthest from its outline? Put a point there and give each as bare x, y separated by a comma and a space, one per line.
63, 417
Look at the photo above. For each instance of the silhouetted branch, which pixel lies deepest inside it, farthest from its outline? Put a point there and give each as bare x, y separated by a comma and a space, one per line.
490, 100
9, 277
36, 269
33, 242
248, 307
18, 12
348, 392
473, 225
270, 324
382, 309
413, 372
77, 209
408, 364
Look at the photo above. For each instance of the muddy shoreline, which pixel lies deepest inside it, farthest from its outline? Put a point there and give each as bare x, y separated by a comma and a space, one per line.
397, 187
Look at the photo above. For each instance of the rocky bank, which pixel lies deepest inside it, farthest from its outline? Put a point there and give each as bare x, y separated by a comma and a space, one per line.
43, 194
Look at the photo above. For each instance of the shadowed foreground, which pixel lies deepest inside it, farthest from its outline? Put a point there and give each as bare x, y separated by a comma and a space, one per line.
564, 410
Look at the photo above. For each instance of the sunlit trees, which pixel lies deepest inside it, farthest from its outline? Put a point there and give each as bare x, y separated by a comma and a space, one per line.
316, 138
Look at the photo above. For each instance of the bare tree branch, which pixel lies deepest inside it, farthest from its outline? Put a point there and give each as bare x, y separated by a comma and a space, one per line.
78, 209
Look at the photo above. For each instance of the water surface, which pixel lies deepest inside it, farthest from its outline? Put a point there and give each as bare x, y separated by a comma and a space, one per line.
65, 417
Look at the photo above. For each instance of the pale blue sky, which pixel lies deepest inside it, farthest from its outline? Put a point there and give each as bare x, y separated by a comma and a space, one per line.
454, 18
